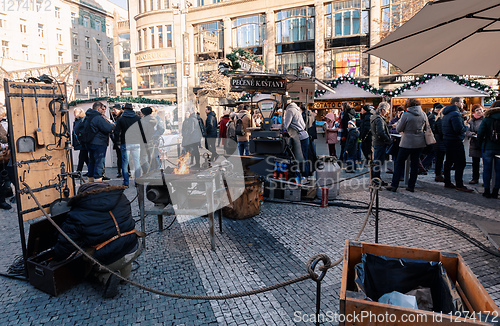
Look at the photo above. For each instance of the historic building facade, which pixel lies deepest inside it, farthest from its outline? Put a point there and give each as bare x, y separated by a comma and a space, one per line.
167, 47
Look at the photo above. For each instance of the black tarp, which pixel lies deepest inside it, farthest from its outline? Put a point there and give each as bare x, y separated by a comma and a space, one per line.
377, 275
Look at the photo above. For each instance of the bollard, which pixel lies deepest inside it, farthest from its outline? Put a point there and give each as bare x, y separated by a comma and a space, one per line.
324, 196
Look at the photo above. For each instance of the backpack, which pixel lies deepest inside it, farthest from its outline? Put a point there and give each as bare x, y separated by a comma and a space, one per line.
231, 131
495, 131
239, 127
84, 133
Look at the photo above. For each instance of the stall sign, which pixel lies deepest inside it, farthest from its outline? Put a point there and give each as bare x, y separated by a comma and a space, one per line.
425, 101
332, 105
262, 84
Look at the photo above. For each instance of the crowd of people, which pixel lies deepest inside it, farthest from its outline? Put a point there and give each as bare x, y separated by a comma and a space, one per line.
423, 138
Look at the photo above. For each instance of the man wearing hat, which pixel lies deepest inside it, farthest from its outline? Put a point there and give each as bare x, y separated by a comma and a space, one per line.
116, 112
100, 222
130, 149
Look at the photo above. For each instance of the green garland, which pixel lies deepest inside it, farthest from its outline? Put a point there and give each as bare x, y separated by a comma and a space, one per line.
236, 54
356, 82
469, 83
246, 97
124, 99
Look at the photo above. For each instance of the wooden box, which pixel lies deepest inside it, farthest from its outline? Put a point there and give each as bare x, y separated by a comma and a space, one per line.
44, 273
473, 294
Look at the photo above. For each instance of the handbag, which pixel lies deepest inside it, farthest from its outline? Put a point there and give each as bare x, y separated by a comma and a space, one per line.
429, 136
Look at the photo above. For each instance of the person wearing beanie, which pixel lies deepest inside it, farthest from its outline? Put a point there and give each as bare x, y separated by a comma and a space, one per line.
211, 130
351, 146
97, 212
130, 148
146, 111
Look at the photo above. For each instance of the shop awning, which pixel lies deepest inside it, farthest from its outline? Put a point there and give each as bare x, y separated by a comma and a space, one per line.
441, 86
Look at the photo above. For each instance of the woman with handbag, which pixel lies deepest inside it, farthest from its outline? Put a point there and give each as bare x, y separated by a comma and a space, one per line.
412, 125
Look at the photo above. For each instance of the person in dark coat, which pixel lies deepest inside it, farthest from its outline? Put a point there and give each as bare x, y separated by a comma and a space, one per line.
474, 145
346, 115
148, 155
380, 138
411, 126
191, 136
100, 221
454, 130
83, 155
351, 146
490, 149
431, 149
101, 127
116, 113
439, 147
211, 130
365, 133
130, 149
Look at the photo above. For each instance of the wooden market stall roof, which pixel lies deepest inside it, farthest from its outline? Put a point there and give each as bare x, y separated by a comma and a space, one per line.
349, 87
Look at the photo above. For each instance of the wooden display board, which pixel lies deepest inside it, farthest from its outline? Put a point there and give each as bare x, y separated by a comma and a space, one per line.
35, 116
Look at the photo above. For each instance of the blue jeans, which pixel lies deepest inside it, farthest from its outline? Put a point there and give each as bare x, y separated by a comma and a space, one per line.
243, 147
133, 150
399, 166
379, 153
489, 160
97, 157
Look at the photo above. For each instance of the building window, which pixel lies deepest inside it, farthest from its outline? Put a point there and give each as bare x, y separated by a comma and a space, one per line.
73, 18
145, 38
346, 18
5, 49
249, 31
59, 35
40, 30
201, 3
295, 25
89, 87
108, 30
87, 42
76, 58
346, 62
24, 51
169, 36
57, 12
88, 64
205, 71
293, 63
78, 87
110, 68
109, 48
43, 57
209, 37
387, 68
158, 4
140, 6
97, 24
151, 5
139, 39
98, 44
75, 38
397, 12
22, 27
166, 4
152, 33
156, 77
60, 57
160, 36
125, 80
86, 21
99, 65
124, 48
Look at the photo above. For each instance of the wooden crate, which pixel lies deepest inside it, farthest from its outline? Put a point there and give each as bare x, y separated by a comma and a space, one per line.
473, 294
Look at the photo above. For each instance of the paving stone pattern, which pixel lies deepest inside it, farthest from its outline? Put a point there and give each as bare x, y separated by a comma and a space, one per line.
261, 251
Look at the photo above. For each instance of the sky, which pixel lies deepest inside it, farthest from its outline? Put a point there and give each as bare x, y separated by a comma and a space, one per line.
121, 3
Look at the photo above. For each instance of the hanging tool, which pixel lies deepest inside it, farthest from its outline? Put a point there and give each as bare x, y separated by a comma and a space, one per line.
25, 144
38, 131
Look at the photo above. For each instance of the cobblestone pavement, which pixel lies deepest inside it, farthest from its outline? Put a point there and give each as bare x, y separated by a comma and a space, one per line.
264, 250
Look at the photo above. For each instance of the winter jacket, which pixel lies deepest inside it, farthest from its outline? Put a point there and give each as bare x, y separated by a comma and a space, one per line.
211, 125
202, 125
432, 117
351, 145
246, 120
453, 124
223, 126
149, 125
474, 145
100, 127
438, 135
293, 122
345, 116
89, 223
74, 139
412, 124
365, 133
379, 130
191, 132
331, 132
484, 132
310, 120
127, 119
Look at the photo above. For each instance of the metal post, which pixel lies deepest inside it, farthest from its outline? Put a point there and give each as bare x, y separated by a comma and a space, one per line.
376, 215
210, 208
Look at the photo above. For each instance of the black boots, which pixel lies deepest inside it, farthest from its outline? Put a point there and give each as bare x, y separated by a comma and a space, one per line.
487, 193
494, 193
